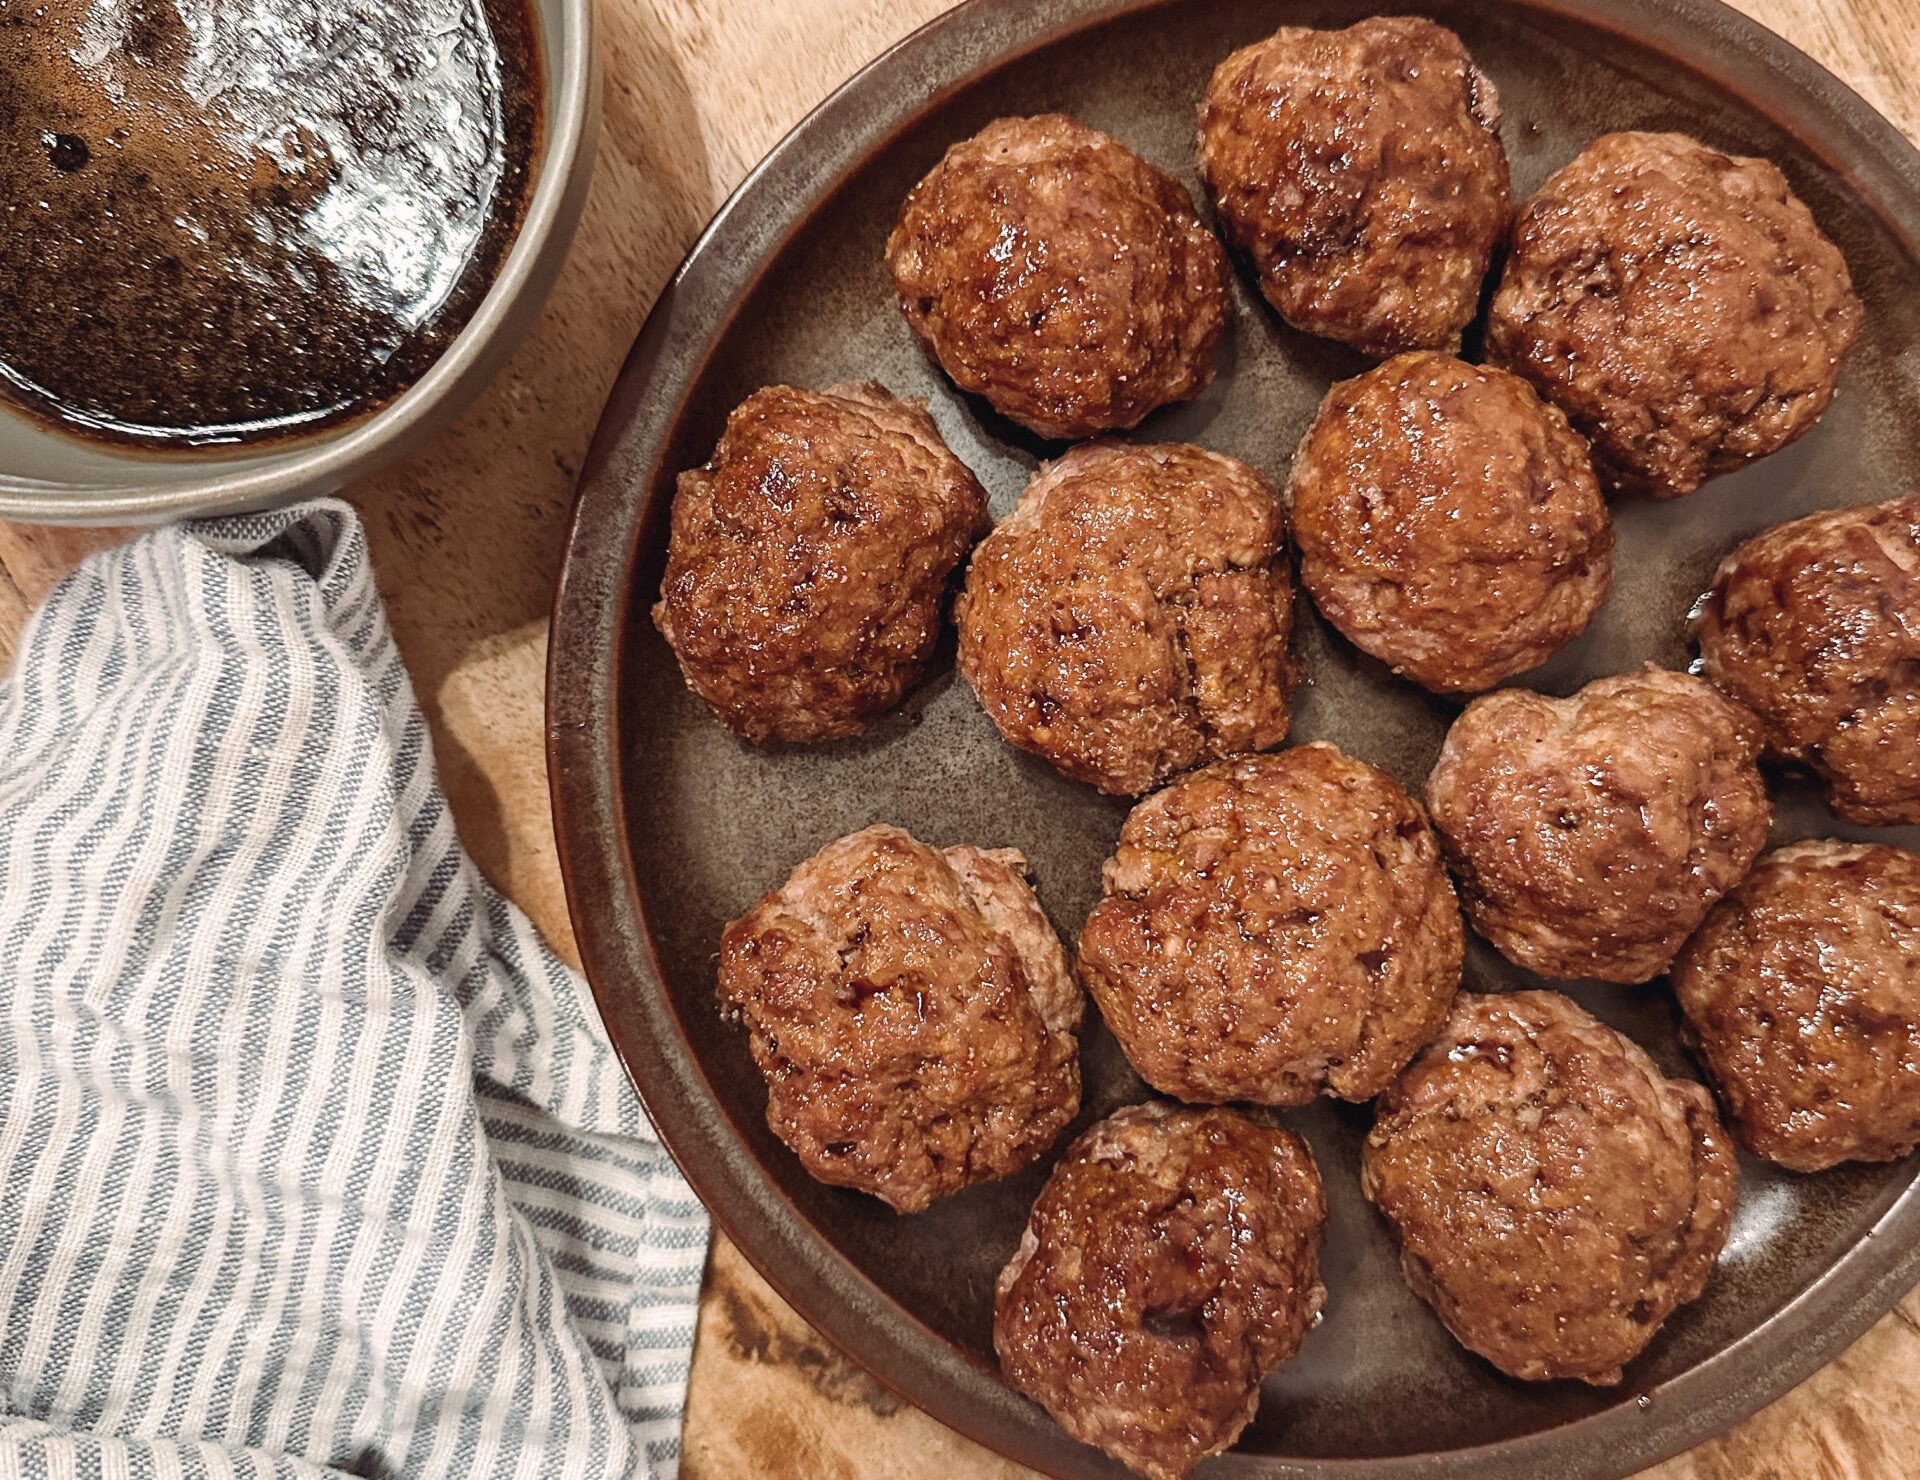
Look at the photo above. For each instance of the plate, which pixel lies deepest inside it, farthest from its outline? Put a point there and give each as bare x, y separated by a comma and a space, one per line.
669, 827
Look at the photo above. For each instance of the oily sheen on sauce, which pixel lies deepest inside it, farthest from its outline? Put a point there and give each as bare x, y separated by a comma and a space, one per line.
233, 223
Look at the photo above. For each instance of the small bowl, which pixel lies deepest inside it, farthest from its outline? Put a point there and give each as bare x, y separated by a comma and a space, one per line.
50, 476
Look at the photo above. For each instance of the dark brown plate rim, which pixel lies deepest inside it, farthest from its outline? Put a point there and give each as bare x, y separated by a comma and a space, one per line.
1723, 47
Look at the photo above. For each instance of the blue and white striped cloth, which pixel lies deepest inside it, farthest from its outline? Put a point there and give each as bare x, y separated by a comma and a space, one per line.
313, 1159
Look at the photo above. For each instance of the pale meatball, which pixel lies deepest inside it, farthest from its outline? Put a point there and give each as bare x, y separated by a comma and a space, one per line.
1449, 523
1802, 998
1814, 625
1275, 927
1361, 173
1591, 835
1555, 1196
1131, 618
1679, 304
913, 1013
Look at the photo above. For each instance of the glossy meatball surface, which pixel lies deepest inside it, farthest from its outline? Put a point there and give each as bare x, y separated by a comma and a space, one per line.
1802, 998
1361, 173
1679, 304
1555, 1197
1591, 834
1170, 1263
1815, 626
1056, 273
913, 1013
1131, 618
810, 558
1273, 928
1448, 522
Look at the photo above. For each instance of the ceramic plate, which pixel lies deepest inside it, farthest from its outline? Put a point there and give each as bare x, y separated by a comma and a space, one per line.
669, 826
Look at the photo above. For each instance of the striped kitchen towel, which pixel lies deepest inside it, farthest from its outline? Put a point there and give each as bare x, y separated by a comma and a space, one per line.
313, 1159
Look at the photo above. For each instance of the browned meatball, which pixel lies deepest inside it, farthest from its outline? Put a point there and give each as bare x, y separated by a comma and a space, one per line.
1679, 304
1555, 1198
913, 1013
1361, 172
810, 557
1591, 834
1171, 1262
1815, 626
1802, 997
1449, 522
1274, 927
1059, 275
1131, 617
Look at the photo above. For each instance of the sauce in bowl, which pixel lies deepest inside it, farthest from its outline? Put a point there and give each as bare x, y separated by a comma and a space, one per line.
235, 222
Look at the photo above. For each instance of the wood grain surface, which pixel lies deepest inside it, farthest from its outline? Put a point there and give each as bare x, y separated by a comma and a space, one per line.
467, 540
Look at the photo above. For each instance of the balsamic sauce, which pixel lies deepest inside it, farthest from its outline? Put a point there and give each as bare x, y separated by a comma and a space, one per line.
226, 222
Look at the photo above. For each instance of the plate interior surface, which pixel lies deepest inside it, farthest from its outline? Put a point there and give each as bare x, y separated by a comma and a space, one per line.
701, 823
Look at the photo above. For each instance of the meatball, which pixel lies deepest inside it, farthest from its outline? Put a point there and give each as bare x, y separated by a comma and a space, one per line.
1815, 626
1679, 304
1131, 618
1448, 522
1053, 271
913, 1013
1802, 998
1591, 834
1361, 173
1274, 927
1555, 1198
1171, 1262
810, 557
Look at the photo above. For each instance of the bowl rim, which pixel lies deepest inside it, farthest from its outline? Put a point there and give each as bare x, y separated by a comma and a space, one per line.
255, 478
591, 615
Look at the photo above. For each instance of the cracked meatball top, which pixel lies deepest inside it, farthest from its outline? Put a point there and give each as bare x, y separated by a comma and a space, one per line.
913, 1013
1590, 835
1802, 998
1131, 618
1361, 172
1555, 1196
1170, 1263
1448, 522
1274, 927
810, 558
1679, 304
1056, 273
1815, 626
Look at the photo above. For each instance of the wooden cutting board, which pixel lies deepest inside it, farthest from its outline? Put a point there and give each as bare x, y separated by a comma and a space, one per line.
467, 539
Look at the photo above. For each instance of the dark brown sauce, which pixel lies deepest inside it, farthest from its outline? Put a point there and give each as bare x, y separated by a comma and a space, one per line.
226, 222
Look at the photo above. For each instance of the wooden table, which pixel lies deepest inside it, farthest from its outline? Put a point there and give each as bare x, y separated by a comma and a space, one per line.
467, 540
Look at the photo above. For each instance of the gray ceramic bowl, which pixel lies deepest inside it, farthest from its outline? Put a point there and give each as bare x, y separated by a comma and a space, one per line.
51, 477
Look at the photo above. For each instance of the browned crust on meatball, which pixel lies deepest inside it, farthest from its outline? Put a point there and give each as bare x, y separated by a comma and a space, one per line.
1361, 173
1170, 1263
1274, 927
1448, 522
1815, 626
1055, 272
809, 559
913, 1013
1679, 304
1590, 835
1556, 1198
1802, 999
1131, 618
